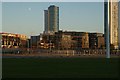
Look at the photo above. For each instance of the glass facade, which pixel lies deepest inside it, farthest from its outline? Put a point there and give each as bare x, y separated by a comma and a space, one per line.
52, 19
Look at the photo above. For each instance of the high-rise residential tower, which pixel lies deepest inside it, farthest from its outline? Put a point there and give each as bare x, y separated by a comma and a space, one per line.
51, 19
119, 23
111, 21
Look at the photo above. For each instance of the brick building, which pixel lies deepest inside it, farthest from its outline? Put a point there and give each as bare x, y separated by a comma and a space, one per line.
96, 40
10, 40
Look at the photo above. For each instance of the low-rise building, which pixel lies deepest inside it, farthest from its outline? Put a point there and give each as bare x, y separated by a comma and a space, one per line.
34, 41
72, 40
10, 40
75, 40
47, 41
96, 40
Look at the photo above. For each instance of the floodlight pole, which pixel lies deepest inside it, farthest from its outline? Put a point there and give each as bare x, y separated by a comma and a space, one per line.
107, 32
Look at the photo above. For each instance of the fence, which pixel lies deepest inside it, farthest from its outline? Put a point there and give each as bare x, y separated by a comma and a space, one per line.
79, 52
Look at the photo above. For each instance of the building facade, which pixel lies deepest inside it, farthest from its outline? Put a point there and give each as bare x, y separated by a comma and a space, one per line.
71, 40
119, 23
47, 41
51, 18
96, 40
111, 18
34, 41
10, 40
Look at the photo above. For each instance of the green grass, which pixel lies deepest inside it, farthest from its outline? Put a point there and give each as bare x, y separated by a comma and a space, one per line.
60, 68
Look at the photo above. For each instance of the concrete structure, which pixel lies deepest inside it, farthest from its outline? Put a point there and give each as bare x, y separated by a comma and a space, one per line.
51, 17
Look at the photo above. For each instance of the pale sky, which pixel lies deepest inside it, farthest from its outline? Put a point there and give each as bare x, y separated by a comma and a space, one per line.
28, 17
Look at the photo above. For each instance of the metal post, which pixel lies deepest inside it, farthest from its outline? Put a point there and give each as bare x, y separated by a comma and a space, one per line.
50, 45
107, 32
31, 44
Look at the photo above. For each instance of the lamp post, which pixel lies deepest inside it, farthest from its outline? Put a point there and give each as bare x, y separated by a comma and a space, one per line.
50, 45
28, 45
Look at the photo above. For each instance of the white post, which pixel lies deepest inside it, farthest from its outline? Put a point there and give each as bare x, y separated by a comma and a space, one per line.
107, 32
31, 44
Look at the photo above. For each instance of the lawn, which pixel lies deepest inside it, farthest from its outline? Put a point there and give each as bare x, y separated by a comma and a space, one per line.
60, 68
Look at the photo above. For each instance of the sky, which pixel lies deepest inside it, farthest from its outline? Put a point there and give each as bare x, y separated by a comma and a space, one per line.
28, 17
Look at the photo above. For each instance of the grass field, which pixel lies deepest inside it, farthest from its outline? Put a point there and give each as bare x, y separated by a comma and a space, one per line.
60, 68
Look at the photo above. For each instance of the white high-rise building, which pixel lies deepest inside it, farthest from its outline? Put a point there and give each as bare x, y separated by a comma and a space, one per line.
119, 22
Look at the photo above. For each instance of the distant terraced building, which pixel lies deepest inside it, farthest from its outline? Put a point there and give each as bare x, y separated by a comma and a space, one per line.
11, 40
